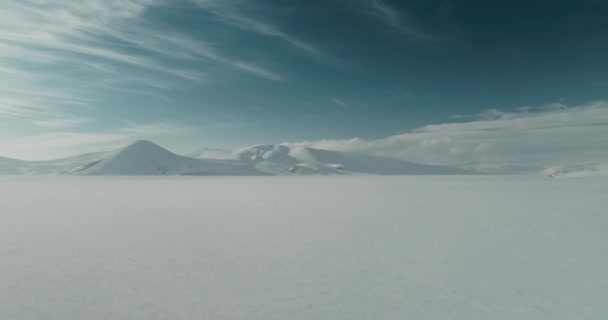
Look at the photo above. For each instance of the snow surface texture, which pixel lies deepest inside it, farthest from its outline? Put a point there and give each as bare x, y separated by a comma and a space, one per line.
147, 158
340, 247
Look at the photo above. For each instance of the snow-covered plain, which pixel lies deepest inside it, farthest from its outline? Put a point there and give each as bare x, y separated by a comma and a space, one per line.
333, 247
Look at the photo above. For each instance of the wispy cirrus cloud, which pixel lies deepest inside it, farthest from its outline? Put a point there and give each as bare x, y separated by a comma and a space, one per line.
340, 103
39, 113
228, 12
58, 123
110, 30
261, 72
183, 47
61, 56
107, 34
27, 98
64, 143
397, 20
554, 134
149, 130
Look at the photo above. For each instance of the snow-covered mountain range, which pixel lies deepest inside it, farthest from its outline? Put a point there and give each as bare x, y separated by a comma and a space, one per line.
146, 158
279, 159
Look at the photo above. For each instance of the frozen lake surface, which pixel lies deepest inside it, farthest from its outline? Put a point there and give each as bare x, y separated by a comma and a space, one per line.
357, 247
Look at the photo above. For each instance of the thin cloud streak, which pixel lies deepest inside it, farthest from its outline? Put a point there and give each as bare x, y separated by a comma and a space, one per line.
340, 103
48, 46
61, 123
228, 13
28, 97
261, 72
48, 33
63, 143
396, 20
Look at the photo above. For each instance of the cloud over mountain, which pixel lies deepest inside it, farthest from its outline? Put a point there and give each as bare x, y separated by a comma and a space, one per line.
549, 135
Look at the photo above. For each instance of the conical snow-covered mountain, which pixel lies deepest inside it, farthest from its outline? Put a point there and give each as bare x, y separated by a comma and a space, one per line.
140, 158
147, 158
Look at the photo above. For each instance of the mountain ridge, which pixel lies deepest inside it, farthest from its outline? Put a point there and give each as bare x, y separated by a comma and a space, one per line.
143, 157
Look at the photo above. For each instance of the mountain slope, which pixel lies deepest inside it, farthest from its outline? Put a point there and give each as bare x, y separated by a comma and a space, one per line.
147, 158
11, 166
282, 159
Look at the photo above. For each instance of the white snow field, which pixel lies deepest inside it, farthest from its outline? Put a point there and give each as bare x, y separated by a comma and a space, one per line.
303, 247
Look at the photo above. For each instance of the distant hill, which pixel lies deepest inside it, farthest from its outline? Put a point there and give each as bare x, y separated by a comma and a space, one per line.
143, 158
281, 159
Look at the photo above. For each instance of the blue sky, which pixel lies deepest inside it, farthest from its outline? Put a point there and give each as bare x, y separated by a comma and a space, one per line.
87, 75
